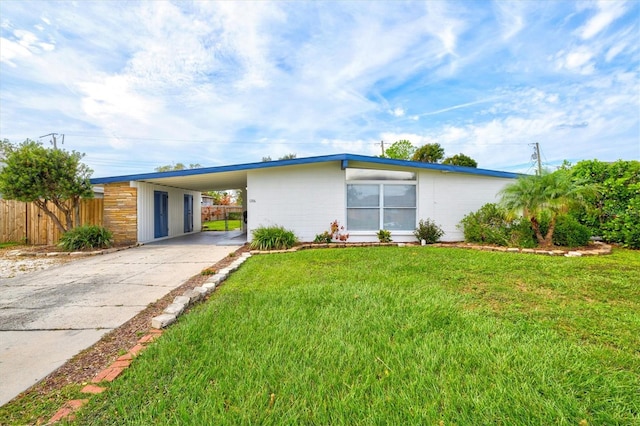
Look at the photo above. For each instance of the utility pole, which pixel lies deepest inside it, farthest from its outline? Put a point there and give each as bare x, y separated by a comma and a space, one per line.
536, 156
382, 146
53, 140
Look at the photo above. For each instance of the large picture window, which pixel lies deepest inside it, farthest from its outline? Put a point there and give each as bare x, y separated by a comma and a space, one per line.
374, 206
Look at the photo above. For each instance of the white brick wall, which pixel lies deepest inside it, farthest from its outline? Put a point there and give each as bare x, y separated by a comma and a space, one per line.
447, 197
304, 199
307, 198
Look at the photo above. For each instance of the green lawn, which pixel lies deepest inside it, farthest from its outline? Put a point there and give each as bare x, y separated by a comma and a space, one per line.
218, 225
386, 335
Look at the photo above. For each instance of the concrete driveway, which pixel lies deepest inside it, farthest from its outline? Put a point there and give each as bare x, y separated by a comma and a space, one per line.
48, 316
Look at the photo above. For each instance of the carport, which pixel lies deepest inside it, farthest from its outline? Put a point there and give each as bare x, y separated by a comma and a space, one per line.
152, 207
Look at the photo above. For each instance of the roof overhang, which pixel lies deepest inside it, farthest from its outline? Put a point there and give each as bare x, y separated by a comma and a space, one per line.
235, 176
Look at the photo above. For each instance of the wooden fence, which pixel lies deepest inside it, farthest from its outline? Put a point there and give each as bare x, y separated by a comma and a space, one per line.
21, 221
220, 212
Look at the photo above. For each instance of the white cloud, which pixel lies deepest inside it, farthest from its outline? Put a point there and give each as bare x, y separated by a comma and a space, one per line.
221, 82
510, 16
607, 12
368, 147
441, 21
397, 112
110, 98
579, 60
12, 50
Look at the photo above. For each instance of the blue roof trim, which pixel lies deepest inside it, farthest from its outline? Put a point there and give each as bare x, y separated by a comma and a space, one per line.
343, 158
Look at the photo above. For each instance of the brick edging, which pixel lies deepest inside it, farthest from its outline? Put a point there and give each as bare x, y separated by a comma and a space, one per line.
109, 374
602, 249
158, 323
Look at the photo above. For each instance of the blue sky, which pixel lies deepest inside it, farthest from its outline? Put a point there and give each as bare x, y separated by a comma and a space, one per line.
136, 85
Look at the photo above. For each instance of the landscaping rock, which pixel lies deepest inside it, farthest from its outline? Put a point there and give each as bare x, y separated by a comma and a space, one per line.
182, 299
193, 296
162, 321
209, 286
218, 278
203, 291
174, 309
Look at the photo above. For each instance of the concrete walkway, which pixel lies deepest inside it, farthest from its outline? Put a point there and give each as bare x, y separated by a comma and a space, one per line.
48, 316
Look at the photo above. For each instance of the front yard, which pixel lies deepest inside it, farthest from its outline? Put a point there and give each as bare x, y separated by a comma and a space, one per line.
397, 336
389, 335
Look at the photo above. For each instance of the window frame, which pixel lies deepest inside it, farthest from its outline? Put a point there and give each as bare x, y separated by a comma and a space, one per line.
381, 207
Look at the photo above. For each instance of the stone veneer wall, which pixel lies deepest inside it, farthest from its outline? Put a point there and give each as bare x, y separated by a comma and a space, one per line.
121, 212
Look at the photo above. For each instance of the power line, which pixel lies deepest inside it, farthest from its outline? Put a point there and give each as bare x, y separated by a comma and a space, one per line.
253, 142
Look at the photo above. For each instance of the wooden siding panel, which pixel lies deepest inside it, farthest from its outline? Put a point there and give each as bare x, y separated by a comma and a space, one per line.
120, 212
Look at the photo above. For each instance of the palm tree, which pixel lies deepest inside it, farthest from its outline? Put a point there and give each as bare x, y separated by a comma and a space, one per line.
551, 193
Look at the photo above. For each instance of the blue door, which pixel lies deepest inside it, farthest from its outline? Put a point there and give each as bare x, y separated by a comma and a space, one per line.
188, 213
160, 214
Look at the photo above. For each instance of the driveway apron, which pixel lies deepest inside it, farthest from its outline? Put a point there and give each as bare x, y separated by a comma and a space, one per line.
48, 316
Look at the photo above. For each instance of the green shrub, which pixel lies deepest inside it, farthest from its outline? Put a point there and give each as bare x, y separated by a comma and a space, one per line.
570, 233
272, 238
488, 225
335, 233
625, 228
492, 225
325, 237
384, 236
86, 237
521, 234
428, 231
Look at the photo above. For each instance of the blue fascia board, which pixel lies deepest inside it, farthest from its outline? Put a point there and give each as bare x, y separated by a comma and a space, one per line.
445, 168
344, 160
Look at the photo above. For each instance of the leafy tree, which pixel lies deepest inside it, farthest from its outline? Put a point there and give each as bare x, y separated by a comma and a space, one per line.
220, 198
612, 212
429, 153
284, 157
461, 160
535, 196
176, 166
33, 173
400, 150
225, 198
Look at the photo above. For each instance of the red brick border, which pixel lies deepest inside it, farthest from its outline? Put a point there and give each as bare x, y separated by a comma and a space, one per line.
107, 375
67, 410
